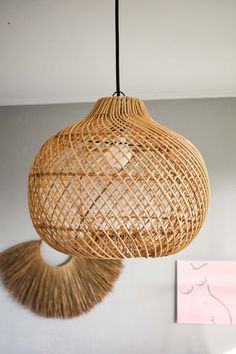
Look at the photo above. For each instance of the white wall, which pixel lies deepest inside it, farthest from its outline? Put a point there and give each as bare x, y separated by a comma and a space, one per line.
138, 316
63, 51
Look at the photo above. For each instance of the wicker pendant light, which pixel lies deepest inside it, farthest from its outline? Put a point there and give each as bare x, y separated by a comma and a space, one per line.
118, 184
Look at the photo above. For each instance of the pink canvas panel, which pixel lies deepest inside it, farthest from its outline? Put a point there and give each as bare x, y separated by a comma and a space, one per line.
206, 292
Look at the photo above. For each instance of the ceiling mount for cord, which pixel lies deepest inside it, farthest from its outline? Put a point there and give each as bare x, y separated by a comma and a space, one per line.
118, 93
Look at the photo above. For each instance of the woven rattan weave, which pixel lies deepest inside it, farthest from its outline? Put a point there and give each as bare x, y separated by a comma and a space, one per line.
118, 185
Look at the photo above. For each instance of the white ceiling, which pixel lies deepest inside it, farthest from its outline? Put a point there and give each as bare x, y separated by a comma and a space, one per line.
63, 50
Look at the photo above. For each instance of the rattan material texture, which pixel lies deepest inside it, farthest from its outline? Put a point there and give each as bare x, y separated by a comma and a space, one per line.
61, 291
118, 185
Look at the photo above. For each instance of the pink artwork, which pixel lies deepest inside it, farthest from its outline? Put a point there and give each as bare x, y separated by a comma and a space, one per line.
206, 292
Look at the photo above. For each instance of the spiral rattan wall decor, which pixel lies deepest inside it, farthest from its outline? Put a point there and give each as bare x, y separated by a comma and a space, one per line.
118, 185
63, 291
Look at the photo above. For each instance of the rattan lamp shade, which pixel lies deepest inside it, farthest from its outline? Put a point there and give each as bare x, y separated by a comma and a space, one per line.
118, 185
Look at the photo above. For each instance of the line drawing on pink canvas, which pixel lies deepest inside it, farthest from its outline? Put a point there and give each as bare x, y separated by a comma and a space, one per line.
206, 292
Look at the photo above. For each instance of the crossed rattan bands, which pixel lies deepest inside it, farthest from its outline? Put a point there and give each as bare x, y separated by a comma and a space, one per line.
118, 185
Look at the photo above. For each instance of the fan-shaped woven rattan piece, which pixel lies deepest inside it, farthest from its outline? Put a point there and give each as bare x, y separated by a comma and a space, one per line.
118, 185
62, 291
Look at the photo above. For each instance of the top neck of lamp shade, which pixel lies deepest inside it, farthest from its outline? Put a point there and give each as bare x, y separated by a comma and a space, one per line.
121, 106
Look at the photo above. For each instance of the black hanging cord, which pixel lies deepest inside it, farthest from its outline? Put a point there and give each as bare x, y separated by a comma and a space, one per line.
117, 47
118, 91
